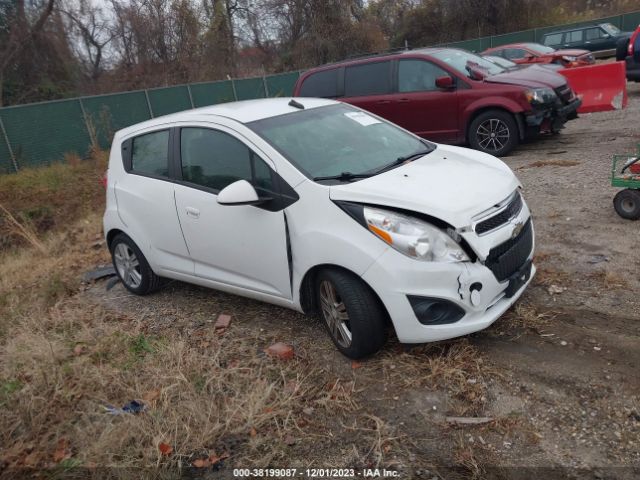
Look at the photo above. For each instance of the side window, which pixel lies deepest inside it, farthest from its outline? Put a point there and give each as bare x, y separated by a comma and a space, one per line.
322, 84
418, 75
368, 79
553, 39
593, 33
150, 154
215, 159
574, 37
514, 53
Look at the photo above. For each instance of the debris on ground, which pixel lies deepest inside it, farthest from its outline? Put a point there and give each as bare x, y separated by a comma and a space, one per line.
556, 289
280, 350
598, 259
98, 273
132, 407
63, 450
165, 449
112, 283
469, 420
223, 322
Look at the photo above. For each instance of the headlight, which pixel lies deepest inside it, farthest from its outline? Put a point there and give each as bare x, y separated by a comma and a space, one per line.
540, 96
413, 237
569, 58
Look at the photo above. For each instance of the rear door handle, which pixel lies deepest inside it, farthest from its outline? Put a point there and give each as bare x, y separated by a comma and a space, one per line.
193, 212
384, 102
404, 100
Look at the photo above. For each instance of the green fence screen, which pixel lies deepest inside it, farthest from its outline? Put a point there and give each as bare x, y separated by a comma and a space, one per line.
109, 113
205, 94
250, 88
42, 133
169, 100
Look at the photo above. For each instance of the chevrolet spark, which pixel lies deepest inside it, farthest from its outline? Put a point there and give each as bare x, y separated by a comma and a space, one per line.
321, 207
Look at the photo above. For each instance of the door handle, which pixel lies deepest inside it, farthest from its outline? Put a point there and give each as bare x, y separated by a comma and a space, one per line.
383, 102
404, 100
193, 212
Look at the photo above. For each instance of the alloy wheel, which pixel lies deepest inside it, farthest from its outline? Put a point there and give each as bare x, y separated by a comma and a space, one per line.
492, 134
128, 265
335, 314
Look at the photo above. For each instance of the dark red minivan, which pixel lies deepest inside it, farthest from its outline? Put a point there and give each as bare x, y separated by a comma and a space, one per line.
449, 95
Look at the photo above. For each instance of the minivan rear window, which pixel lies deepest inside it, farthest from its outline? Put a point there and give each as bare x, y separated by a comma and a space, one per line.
323, 84
553, 39
367, 79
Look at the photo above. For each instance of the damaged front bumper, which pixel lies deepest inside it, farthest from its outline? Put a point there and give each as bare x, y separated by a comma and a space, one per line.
546, 118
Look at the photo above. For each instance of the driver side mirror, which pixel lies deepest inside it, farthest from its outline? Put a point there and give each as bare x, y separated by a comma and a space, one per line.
240, 193
445, 82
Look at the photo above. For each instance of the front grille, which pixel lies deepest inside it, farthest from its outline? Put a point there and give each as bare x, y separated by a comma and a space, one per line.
501, 218
564, 93
506, 259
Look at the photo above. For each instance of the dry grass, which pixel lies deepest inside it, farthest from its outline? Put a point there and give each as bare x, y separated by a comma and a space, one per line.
550, 163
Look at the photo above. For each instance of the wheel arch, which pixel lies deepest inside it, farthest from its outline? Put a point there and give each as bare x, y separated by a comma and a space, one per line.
517, 115
308, 301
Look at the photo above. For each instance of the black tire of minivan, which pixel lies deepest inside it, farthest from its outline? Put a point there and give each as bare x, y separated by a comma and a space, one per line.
499, 123
366, 316
627, 204
149, 281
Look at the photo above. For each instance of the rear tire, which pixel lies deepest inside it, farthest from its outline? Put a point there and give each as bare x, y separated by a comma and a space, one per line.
132, 267
494, 132
353, 315
627, 204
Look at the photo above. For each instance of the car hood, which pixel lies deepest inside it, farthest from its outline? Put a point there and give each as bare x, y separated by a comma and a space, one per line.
529, 77
452, 184
571, 52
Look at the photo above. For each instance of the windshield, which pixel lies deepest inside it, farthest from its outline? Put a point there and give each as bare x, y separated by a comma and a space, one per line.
610, 28
536, 47
468, 64
335, 139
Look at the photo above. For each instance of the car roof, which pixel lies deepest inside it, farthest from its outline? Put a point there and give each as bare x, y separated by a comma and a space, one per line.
375, 56
574, 28
244, 112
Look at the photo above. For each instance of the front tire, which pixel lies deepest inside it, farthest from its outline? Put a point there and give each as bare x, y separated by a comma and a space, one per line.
132, 267
353, 315
494, 132
627, 204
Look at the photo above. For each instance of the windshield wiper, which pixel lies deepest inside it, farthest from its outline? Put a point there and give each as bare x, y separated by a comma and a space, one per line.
344, 176
407, 158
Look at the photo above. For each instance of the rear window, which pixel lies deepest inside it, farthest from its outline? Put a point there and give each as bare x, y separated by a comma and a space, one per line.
322, 84
367, 79
553, 39
150, 154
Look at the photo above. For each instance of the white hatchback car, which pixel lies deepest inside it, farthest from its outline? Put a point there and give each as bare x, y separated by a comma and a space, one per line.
321, 207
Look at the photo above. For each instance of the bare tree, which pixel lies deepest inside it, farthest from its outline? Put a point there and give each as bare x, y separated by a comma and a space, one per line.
20, 31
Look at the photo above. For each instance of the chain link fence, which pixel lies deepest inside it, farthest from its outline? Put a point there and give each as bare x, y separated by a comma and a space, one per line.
41, 133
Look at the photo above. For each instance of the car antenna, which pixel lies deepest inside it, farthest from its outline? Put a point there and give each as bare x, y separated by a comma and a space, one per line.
294, 103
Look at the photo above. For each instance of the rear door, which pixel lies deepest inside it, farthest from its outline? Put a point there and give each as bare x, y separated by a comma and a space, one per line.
574, 39
420, 106
370, 86
146, 202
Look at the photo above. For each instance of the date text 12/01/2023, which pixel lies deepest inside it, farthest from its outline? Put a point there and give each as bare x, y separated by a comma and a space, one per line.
314, 473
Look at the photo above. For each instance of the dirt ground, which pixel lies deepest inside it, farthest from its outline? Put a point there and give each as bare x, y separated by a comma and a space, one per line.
557, 376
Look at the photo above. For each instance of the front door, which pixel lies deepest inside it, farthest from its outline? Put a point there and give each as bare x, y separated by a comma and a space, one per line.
243, 246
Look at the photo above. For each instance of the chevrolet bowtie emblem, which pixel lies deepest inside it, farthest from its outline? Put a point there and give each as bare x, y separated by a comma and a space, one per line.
517, 228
